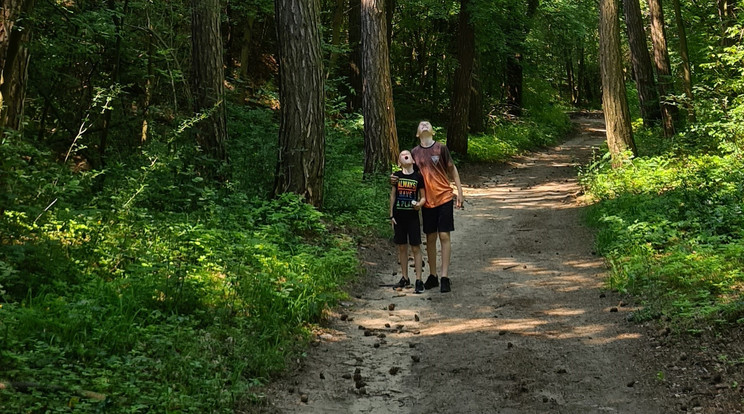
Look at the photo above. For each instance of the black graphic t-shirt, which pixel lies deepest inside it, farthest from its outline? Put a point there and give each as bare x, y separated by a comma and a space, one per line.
407, 190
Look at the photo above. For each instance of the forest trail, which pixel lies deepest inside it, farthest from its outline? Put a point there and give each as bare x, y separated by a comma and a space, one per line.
527, 327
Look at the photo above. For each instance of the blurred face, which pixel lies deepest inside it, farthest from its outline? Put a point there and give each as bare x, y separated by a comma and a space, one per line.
424, 129
405, 159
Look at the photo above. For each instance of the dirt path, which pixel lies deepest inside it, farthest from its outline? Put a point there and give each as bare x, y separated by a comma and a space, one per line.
527, 327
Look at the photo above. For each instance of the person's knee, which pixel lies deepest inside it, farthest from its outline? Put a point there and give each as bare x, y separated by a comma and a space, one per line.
431, 237
416, 249
444, 237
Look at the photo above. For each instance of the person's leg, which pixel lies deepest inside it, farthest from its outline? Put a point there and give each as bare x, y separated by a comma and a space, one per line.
417, 261
431, 252
403, 258
444, 242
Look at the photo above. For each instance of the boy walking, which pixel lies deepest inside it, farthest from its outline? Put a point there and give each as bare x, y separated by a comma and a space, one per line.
436, 166
406, 198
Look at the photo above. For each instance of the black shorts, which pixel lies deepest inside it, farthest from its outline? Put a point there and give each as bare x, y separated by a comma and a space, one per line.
440, 219
408, 229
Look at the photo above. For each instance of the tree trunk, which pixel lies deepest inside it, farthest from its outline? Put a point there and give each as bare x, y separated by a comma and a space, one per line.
389, 9
380, 135
336, 26
475, 114
727, 18
301, 164
457, 132
685, 56
514, 72
663, 68
614, 100
14, 58
355, 56
570, 78
580, 79
643, 71
245, 47
208, 77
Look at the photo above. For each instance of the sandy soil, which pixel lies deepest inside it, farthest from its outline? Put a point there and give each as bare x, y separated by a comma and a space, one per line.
527, 328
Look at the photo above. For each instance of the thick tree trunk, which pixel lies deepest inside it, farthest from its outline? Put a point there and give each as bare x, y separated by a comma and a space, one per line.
685, 56
643, 71
14, 58
380, 135
301, 164
457, 132
663, 67
208, 77
614, 100
355, 56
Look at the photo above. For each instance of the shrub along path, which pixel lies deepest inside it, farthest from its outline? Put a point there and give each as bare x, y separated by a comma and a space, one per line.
527, 327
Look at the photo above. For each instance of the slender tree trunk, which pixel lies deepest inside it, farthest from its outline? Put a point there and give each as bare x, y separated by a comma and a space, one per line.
14, 59
727, 17
580, 80
355, 57
643, 71
663, 67
570, 79
208, 77
301, 164
614, 100
475, 114
148, 83
380, 135
245, 48
514, 71
457, 132
685, 56
336, 26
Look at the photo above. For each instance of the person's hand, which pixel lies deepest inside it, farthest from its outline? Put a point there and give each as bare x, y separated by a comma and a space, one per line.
393, 179
416, 205
460, 201
393, 222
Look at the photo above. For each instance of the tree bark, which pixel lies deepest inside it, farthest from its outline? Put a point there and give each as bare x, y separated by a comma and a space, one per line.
14, 59
685, 56
614, 99
355, 57
475, 114
301, 164
727, 17
663, 67
380, 135
208, 77
336, 26
514, 72
457, 132
643, 71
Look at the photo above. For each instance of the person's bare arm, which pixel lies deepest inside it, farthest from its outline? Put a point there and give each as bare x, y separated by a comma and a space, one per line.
452, 170
393, 193
421, 199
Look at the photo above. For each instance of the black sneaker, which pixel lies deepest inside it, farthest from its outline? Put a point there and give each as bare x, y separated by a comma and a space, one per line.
445, 287
419, 286
403, 282
431, 282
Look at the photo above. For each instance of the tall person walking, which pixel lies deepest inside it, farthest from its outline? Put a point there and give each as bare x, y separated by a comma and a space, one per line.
436, 166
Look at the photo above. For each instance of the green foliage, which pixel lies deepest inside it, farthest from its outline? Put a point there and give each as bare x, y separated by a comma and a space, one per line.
672, 230
545, 125
163, 291
350, 199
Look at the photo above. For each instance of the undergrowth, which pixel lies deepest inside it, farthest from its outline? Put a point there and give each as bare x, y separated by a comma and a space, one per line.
672, 230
